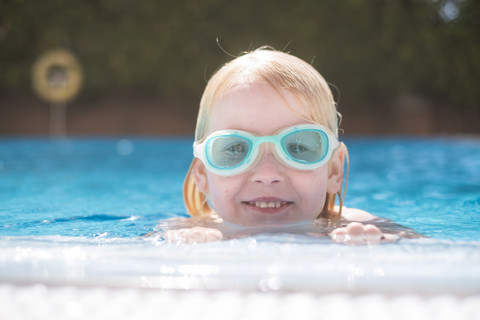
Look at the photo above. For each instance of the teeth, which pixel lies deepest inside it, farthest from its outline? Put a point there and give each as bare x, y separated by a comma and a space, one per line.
271, 204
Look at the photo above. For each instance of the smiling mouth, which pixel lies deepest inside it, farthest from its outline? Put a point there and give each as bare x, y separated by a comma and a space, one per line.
268, 204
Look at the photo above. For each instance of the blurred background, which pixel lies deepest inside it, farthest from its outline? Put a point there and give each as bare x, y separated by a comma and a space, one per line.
408, 67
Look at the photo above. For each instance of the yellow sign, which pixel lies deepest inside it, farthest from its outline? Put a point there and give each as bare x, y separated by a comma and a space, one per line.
57, 76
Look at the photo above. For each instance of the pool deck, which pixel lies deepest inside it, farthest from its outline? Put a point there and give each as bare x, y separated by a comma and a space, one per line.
68, 302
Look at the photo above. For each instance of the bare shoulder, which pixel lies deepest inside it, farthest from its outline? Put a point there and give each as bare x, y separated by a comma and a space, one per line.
353, 214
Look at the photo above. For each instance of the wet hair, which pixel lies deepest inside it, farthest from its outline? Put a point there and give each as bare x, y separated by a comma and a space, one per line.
283, 72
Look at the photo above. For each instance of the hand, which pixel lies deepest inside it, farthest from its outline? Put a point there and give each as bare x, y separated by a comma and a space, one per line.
192, 235
358, 233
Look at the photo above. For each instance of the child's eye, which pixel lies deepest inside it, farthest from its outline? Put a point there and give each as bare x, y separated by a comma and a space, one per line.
235, 150
227, 152
297, 149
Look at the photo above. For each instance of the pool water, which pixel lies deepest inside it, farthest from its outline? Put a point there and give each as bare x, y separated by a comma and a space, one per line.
90, 187
430, 185
72, 212
122, 187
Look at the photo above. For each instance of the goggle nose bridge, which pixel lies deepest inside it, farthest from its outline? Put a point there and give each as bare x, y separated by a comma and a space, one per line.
274, 140
276, 148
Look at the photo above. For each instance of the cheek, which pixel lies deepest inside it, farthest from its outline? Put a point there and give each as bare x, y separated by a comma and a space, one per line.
222, 190
313, 180
312, 187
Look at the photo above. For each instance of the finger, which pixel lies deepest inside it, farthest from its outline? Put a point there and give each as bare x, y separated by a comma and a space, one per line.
175, 236
195, 235
213, 235
372, 234
355, 233
338, 235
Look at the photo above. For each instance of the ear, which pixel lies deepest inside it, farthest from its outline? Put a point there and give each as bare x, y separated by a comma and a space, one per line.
200, 176
335, 172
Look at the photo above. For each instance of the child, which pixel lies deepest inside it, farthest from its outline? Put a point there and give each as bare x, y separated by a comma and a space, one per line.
267, 156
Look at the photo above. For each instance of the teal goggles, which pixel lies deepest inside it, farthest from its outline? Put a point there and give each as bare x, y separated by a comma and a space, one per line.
231, 152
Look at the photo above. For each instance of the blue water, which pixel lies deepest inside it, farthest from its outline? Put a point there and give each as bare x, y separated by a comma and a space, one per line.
111, 188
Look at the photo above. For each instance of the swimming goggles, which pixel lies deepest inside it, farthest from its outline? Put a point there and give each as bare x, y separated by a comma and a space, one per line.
231, 152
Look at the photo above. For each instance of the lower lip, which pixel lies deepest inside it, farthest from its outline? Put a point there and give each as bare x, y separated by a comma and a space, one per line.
268, 210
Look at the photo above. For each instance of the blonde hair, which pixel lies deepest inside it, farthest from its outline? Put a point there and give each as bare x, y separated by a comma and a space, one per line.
281, 71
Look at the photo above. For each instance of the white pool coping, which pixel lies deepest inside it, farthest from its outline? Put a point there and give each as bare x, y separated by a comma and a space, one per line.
250, 278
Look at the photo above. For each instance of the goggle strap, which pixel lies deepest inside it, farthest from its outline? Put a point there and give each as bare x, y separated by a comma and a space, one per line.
341, 198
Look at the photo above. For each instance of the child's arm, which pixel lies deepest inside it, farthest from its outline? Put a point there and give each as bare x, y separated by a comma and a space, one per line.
192, 235
358, 233
355, 232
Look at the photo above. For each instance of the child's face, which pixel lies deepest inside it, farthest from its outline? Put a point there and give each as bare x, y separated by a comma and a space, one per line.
247, 198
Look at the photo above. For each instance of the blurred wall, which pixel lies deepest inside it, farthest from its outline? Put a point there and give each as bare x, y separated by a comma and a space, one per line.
398, 67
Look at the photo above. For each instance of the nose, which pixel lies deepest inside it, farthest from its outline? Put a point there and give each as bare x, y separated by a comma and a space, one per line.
267, 170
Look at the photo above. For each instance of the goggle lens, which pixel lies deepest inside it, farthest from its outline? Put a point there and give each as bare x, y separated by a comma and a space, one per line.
226, 152
307, 146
